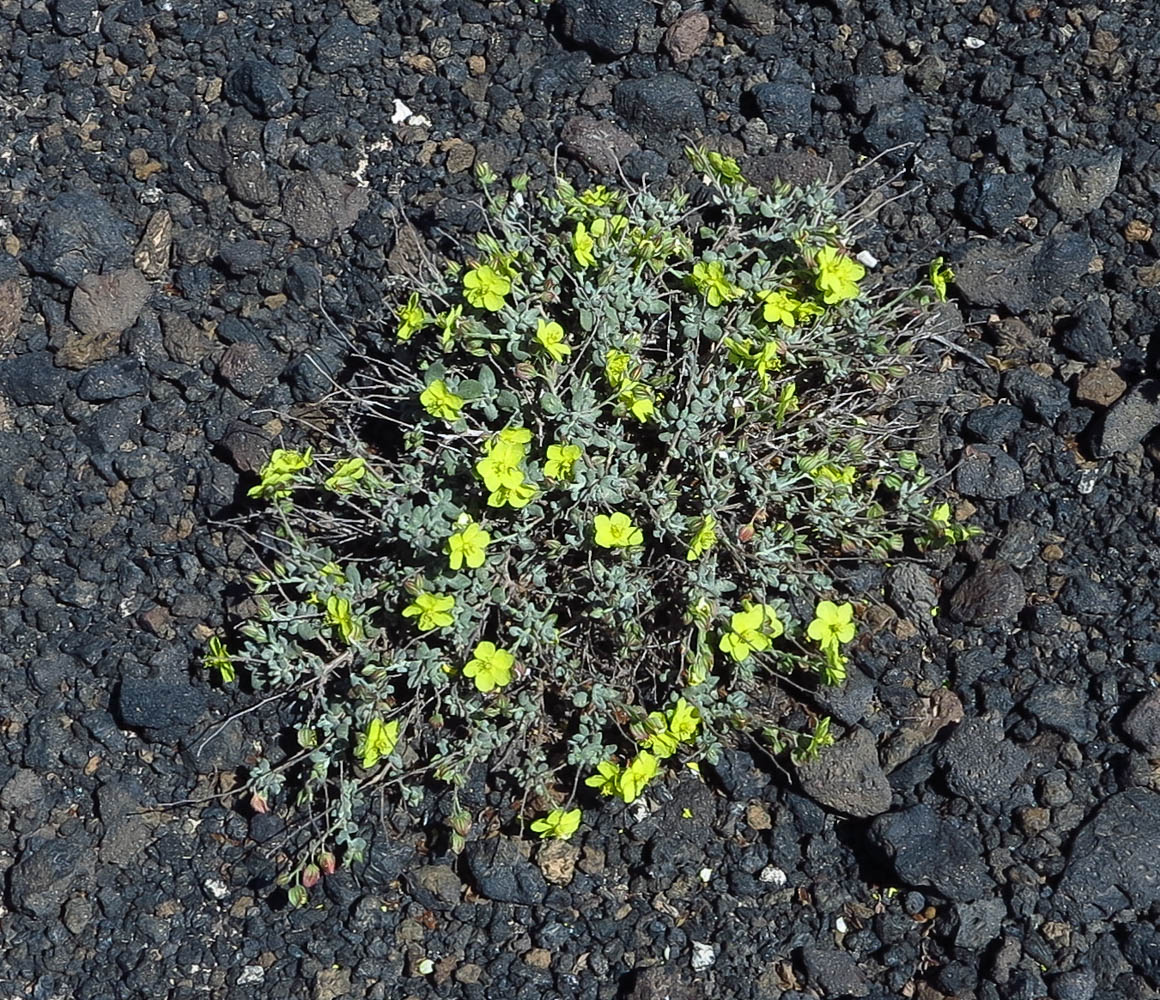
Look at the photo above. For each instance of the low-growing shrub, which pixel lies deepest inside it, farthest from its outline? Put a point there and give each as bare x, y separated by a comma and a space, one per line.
584, 504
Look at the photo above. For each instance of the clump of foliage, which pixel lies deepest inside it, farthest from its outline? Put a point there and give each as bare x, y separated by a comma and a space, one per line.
588, 505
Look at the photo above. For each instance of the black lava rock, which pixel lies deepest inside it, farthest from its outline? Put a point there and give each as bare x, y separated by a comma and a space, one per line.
785, 105
902, 124
33, 378
1142, 725
1111, 864
344, 44
980, 765
993, 593
1065, 709
928, 851
156, 704
72, 17
993, 202
312, 375
79, 234
245, 256
1046, 398
1088, 336
504, 875
113, 379
992, 424
661, 106
258, 88
42, 875
739, 774
833, 972
988, 473
605, 27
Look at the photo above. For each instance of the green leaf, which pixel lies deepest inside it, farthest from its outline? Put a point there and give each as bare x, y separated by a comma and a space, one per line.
507, 400
486, 379
551, 404
469, 389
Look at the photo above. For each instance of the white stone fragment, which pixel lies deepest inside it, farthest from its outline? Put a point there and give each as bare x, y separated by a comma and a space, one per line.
402, 113
216, 888
704, 955
773, 875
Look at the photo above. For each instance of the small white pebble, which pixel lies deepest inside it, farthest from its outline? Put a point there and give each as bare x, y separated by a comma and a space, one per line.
705, 875
971, 42
840, 925
216, 888
402, 113
704, 955
867, 259
426, 967
773, 875
251, 974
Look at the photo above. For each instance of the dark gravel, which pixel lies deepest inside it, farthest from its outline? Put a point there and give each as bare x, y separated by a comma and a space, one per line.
200, 205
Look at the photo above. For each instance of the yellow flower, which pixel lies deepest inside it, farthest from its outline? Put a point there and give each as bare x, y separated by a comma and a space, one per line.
668, 730
346, 475
637, 775
831, 474
807, 310
516, 437
490, 667
411, 317
940, 274
751, 630
562, 459
684, 719
597, 196
339, 615
582, 246
219, 659
441, 402
833, 671
378, 740
787, 403
617, 531
833, 624
518, 496
838, 276
606, 778
432, 610
558, 824
448, 325
484, 287
551, 339
279, 473
637, 398
611, 226
778, 307
468, 546
616, 368
704, 538
709, 279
